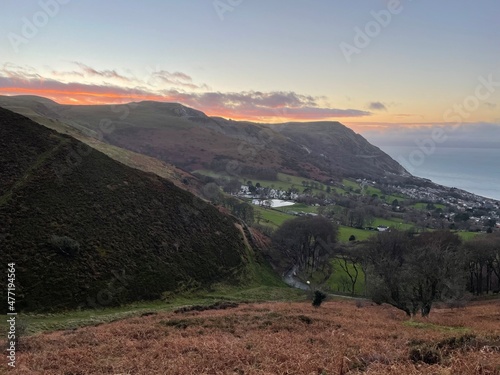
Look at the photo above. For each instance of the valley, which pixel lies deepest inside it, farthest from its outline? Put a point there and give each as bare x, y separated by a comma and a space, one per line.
234, 187
129, 236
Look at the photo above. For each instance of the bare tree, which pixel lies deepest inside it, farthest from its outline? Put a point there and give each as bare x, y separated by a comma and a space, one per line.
307, 243
484, 263
350, 261
411, 272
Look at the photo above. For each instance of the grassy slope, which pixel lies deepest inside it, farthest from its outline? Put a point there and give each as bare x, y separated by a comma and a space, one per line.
139, 235
127, 157
274, 338
360, 234
393, 223
271, 217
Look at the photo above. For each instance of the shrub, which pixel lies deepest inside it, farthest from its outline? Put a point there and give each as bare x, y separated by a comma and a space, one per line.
360, 303
427, 355
319, 297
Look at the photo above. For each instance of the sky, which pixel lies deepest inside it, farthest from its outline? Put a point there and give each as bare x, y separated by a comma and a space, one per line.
382, 67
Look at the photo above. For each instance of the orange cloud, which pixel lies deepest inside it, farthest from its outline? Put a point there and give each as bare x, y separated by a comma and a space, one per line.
80, 97
275, 106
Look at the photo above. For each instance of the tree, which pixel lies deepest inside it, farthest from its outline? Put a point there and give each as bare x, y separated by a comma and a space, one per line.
231, 186
350, 261
490, 223
245, 212
411, 272
307, 243
384, 258
461, 217
356, 218
436, 268
483, 255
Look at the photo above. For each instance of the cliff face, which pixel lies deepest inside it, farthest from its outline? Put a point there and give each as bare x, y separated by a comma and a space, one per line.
332, 146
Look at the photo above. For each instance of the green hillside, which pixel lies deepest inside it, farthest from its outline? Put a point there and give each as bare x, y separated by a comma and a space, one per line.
85, 230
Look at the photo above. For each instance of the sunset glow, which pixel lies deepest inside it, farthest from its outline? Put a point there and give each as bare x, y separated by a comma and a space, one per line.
241, 65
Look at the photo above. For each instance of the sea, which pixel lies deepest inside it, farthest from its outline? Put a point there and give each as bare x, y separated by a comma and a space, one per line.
476, 170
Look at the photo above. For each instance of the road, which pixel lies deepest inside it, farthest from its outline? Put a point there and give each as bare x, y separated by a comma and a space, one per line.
290, 279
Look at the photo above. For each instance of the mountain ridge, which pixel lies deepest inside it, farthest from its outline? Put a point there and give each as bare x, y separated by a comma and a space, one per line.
191, 140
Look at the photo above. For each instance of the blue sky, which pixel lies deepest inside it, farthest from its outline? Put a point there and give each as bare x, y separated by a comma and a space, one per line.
261, 60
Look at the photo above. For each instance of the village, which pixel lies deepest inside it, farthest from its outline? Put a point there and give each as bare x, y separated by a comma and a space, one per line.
427, 207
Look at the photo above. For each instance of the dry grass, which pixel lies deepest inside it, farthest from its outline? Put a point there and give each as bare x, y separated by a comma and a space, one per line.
340, 337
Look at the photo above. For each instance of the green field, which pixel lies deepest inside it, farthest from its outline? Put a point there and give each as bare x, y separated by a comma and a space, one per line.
466, 236
360, 234
392, 223
340, 281
271, 217
298, 207
350, 184
371, 190
390, 198
274, 218
284, 181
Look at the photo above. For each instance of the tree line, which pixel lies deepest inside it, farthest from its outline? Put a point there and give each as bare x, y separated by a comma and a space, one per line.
405, 269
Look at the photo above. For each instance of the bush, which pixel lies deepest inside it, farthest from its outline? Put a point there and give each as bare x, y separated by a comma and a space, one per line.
64, 245
319, 297
426, 355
